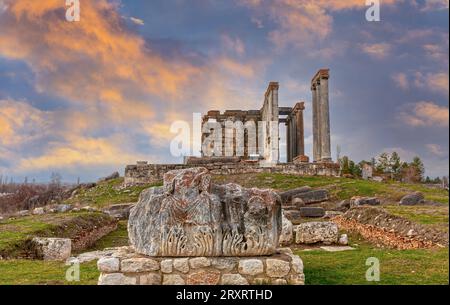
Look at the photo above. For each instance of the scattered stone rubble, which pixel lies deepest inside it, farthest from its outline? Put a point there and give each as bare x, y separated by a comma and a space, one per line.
382, 228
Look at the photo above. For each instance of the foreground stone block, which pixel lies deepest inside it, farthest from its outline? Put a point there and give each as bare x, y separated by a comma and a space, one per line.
119, 211
314, 232
51, 249
360, 201
287, 234
189, 216
315, 196
312, 212
413, 199
288, 196
282, 268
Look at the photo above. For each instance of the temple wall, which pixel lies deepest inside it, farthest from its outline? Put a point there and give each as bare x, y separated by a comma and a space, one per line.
152, 173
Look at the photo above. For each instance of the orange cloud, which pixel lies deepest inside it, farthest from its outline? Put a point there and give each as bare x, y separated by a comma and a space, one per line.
20, 122
82, 61
426, 114
79, 151
376, 50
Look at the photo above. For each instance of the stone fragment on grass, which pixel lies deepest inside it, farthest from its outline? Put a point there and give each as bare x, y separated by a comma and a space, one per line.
51, 249
38, 211
287, 235
314, 196
343, 240
312, 212
359, 201
336, 248
413, 199
314, 232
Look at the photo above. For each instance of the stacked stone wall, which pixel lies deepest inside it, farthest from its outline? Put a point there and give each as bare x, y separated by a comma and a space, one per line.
125, 267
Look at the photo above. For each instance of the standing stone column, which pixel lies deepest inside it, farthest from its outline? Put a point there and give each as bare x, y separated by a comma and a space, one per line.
288, 141
325, 145
293, 137
316, 130
300, 128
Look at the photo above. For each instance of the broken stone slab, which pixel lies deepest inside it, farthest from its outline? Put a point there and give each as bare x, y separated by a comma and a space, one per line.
188, 216
288, 196
287, 234
359, 201
38, 211
314, 232
23, 213
119, 211
51, 249
312, 212
343, 240
62, 208
332, 214
314, 196
413, 199
344, 205
293, 216
336, 248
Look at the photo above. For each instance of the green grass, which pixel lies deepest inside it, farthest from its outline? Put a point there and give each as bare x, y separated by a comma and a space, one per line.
397, 267
15, 233
32, 272
426, 215
340, 188
107, 193
117, 238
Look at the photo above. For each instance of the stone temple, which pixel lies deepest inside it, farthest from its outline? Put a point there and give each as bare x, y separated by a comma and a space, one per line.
258, 148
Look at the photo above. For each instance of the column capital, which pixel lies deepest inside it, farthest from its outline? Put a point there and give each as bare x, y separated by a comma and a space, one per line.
321, 74
299, 107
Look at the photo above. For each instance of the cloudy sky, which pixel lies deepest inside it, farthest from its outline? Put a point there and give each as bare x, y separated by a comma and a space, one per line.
87, 98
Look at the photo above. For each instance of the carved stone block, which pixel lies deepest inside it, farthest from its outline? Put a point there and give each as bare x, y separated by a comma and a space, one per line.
188, 216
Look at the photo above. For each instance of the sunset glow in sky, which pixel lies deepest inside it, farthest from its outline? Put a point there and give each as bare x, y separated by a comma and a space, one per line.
86, 98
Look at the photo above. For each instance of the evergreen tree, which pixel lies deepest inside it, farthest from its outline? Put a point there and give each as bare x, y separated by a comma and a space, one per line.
417, 164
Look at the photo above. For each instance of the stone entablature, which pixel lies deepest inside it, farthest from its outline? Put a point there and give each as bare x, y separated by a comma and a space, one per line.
125, 267
144, 173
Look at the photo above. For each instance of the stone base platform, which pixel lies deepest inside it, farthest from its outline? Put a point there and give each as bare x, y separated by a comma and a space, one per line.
125, 267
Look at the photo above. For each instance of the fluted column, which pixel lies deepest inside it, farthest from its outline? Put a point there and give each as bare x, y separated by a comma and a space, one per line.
300, 128
325, 145
288, 141
316, 119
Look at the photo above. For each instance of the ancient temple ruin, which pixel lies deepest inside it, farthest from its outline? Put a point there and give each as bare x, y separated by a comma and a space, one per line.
248, 141
266, 145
